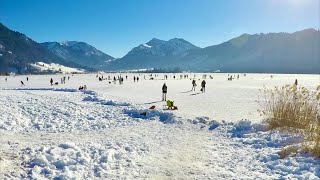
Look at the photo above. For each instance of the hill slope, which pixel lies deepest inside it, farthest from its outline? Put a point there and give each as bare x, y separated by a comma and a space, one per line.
80, 53
17, 51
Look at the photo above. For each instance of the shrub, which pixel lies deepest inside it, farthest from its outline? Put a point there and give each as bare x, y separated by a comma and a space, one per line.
294, 109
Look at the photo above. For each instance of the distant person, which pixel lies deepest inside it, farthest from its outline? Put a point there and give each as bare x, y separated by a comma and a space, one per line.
296, 82
27, 79
164, 92
22, 84
203, 86
194, 84
6, 79
51, 81
134, 78
137, 79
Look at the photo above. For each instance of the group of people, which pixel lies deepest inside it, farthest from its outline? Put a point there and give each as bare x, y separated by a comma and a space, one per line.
62, 80
84, 87
135, 79
194, 84
203, 85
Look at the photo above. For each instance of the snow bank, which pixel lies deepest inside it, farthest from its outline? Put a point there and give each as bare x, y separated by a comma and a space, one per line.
45, 109
94, 98
81, 161
243, 127
265, 145
148, 114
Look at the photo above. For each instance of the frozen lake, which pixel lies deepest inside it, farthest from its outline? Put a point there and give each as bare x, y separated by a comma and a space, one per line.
108, 132
223, 100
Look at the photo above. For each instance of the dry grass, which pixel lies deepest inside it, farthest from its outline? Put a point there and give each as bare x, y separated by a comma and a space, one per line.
294, 109
287, 152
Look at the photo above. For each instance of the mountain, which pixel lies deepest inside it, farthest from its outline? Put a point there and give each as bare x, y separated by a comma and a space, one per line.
17, 52
297, 52
80, 53
155, 53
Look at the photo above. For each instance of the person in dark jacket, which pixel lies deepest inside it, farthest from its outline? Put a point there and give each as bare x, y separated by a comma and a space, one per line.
51, 81
164, 92
203, 86
194, 84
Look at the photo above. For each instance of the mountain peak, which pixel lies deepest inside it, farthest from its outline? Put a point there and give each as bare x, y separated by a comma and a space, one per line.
177, 39
155, 41
309, 30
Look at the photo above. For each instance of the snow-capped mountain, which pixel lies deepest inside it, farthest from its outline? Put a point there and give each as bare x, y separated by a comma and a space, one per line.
155, 53
17, 52
297, 52
80, 53
157, 47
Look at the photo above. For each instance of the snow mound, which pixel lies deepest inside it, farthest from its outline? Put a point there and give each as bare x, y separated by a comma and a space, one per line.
243, 127
148, 114
25, 111
81, 161
94, 98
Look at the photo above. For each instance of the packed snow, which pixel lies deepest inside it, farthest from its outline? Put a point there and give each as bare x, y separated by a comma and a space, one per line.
41, 66
108, 131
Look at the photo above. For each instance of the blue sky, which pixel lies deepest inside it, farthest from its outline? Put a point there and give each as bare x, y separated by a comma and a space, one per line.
116, 26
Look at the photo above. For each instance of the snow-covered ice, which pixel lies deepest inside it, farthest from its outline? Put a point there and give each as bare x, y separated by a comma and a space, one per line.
108, 132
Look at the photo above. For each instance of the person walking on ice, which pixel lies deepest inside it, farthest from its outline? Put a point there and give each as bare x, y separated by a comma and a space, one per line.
51, 81
203, 86
194, 84
164, 92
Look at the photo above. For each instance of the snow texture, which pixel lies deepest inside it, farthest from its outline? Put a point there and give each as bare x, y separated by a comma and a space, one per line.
109, 132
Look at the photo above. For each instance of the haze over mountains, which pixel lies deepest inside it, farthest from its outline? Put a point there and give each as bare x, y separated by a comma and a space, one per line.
297, 52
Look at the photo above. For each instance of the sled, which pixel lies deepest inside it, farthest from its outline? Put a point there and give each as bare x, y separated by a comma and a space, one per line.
170, 105
152, 107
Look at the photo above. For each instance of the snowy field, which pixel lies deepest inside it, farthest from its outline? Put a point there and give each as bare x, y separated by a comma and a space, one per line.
59, 132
